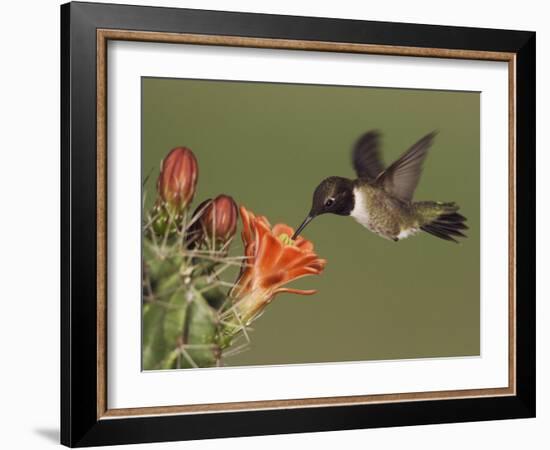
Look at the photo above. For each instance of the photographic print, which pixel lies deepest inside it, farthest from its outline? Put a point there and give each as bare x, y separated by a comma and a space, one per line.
297, 224
278, 224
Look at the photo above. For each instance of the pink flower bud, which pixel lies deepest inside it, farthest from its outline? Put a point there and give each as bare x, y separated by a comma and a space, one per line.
219, 220
178, 178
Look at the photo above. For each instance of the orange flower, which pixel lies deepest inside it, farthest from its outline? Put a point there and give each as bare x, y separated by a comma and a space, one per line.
272, 260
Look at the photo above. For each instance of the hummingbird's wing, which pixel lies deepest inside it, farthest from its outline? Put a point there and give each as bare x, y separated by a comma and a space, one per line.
366, 156
401, 177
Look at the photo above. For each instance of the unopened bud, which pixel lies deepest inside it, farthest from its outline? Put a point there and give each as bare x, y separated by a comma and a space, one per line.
178, 178
218, 221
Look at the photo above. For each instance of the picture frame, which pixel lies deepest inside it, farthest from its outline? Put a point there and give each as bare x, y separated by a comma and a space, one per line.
86, 418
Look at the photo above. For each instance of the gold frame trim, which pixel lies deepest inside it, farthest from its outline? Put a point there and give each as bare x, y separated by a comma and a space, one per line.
104, 35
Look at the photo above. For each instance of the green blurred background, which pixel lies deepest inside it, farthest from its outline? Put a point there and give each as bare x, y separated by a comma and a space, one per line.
269, 145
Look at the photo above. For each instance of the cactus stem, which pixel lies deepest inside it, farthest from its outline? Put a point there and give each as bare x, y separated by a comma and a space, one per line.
188, 358
158, 296
166, 305
167, 231
213, 311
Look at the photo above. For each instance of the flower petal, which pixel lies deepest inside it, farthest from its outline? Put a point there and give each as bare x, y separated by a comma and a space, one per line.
243, 284
268, 253
264, 220
246, 218
304, 244
318, 264
273, 280
282, 228
296, 291
305, 259
289, 257
261, 228
250, 250
300, 272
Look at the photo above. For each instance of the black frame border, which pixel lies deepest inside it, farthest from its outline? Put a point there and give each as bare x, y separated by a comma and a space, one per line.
79, 423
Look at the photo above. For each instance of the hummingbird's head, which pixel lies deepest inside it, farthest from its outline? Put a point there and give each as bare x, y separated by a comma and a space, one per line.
333, 195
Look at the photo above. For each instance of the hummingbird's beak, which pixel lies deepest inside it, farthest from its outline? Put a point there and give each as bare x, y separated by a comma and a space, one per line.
301, 227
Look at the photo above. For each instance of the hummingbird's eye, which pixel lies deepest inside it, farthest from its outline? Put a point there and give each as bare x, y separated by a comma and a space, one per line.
329, 202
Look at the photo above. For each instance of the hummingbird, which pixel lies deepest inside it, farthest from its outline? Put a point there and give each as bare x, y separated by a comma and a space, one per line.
381, 199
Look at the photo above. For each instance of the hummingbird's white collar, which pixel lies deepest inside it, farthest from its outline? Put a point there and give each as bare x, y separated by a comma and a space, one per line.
360, 211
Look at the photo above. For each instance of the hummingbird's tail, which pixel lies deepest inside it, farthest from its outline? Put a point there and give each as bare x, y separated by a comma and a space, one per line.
441, 220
